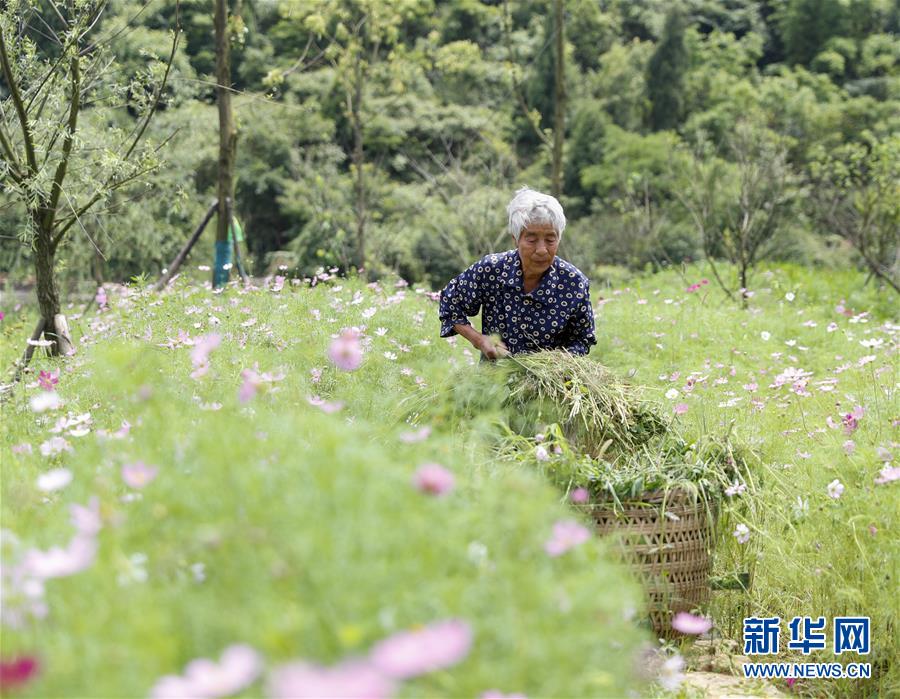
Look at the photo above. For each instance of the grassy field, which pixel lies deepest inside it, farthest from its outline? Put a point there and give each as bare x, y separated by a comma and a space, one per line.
209, 475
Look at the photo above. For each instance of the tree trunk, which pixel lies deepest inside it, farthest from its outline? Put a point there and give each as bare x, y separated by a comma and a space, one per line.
559, 90
358, 162
227, 137
47, 291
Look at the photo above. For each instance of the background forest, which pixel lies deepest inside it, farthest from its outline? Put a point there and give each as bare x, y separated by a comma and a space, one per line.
392, 133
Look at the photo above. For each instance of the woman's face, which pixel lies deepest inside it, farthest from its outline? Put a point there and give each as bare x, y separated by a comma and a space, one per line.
537, 247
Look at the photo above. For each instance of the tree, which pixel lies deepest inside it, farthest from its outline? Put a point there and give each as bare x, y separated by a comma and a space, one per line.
856, 194
56, 176
665, 74
737, 207
806, 25
227, 144
358, 37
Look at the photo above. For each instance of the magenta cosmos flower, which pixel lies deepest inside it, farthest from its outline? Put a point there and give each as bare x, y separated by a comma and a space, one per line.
691, 624
346, 352
15, 673
566, 535
413, 653
354, 678
433, 479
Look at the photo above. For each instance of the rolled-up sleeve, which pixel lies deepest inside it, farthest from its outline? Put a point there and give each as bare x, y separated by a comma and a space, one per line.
461, 298
579, 334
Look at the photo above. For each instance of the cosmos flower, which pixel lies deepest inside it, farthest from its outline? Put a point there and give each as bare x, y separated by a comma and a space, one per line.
691, 624
412, 653
566, 535
138, 474
835, 489
741, 533
433, 479
888, 474
54, 479
48, 380
355, 678
345, 351
238, 667
579, 495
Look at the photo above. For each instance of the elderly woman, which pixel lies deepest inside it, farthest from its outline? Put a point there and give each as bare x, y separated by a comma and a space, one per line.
528, 296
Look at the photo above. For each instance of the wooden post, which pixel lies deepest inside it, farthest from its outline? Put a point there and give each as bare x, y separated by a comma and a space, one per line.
179, 258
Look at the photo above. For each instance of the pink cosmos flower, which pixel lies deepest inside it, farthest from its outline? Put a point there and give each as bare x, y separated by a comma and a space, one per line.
354, 678
835, 489
742, 533
497, 694
346, 352
18, 672
851, 420
327, 407
691, 624
58, 562
579, 495
419, 435
680, 408
101, 299
86, 520
200, 353
433, 479
849, 446
55, 445
888, 474
250, 385
540, 453
239, 667
315, 375
48, 380
413, 653
566, 535
23, 448
138, 474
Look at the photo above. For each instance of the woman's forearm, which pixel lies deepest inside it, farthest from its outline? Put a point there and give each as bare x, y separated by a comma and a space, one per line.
468, 332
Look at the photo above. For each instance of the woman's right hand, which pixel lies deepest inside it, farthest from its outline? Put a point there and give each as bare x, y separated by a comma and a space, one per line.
491, 348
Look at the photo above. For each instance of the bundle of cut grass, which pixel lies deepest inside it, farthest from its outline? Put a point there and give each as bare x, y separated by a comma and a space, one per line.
598, 412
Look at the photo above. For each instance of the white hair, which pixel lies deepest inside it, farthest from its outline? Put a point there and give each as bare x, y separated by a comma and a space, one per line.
530, 206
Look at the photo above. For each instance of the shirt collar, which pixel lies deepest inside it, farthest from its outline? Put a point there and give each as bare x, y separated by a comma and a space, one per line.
514, 264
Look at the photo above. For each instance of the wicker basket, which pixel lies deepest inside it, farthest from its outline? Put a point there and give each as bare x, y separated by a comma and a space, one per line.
669, 551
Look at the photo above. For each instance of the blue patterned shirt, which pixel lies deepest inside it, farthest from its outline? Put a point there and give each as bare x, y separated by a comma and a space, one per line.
557, 314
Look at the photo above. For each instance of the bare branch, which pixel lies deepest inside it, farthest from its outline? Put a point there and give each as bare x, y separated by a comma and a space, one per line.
16, 97
71, 126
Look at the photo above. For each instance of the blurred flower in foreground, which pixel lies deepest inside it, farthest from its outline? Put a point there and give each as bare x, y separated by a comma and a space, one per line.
691, 624
55, 479
239, 667
433, 479
670, 675
15, 673
302, 680
566, 535
412, 653
138, 474
345, 352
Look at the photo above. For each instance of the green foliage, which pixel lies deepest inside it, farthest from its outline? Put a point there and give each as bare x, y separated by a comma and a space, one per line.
665, 74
